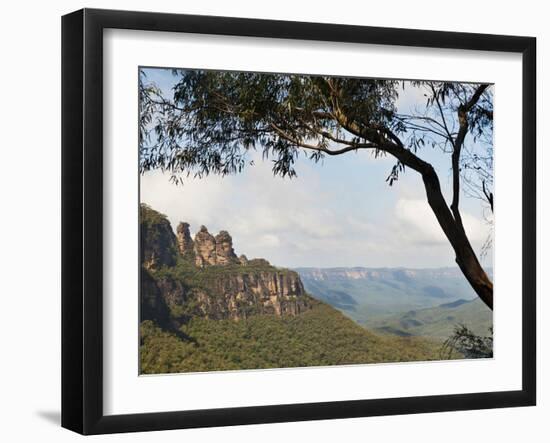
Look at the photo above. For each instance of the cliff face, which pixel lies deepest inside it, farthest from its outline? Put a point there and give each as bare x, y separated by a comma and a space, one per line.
240, 295
187, 277
157, 240
185, 242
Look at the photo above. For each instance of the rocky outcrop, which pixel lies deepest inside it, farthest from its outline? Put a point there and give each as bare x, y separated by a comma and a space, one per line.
202, 282
185, 242
224, 249
210, 250
205, 248
259, 262
157, 240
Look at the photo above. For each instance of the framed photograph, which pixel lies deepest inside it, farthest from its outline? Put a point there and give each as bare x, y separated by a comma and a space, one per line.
269, 221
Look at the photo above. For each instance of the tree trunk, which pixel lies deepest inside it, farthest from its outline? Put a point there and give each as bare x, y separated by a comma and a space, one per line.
465, 256
474, 273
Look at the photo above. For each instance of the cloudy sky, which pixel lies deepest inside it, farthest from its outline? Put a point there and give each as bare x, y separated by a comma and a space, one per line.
340, 212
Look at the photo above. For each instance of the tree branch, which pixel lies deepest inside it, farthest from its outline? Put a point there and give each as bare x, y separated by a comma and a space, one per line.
488, 195
457, 146
350, 147
441, 113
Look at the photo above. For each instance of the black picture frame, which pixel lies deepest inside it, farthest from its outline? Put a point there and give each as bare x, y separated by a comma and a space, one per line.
82, 218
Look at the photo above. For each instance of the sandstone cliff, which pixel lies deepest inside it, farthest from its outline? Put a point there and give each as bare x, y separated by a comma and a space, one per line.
240, 295
157, 240
184, 277
224, 249
185, 242
205, 248
210, 250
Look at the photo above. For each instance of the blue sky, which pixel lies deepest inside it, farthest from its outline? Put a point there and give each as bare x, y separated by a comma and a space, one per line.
340, 212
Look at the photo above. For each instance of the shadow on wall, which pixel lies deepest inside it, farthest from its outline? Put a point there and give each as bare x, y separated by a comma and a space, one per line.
54, 417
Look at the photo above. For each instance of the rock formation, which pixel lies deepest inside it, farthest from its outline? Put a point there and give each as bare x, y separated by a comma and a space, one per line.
185, 242
253, 287
157, 240
259, 262
224, 249
210, 250
277, 292
205, 248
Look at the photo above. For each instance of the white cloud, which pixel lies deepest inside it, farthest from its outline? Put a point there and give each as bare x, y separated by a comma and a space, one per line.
196, 201
269, 240
416, 223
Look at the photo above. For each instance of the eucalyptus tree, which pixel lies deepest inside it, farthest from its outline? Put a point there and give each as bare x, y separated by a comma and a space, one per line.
213, 119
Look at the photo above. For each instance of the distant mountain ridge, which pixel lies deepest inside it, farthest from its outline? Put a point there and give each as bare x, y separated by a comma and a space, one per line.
371, 273
455, 304
373, 295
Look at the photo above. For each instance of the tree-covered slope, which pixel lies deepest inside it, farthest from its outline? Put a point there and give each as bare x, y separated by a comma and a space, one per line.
319, 337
